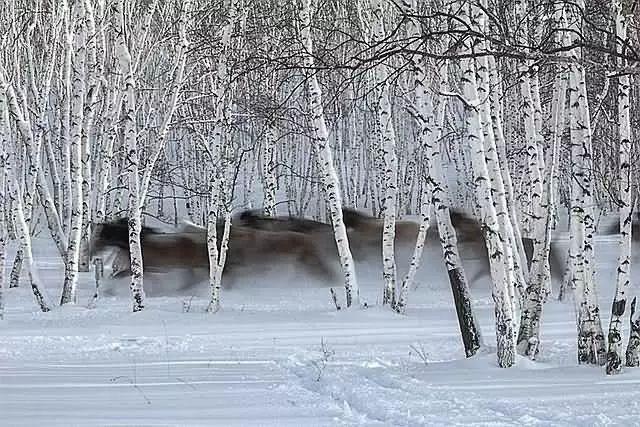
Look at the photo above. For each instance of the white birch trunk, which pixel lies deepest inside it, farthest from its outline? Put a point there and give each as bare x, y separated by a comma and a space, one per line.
623, 278
389, 161
325, 158
65, 119
15, 198
529, 334
502, 285
217, 257
268, 170
539, 286
591, 345
24, 238
94, 72
217, 168
515, 276
431, 125
77, 118
495, 95
130, 141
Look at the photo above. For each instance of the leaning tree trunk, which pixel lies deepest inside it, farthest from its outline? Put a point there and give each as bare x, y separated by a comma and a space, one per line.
14, 196
325, 159
24, 238
15, 199
431, 124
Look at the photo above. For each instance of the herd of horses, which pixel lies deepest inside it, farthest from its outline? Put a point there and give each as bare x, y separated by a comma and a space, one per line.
257, 241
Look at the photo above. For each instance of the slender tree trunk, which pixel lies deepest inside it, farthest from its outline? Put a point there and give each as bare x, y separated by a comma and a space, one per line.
15, 198
94, 72
384, 121
591, 345
325, 159
131, 159
217, 257
515, 275
502, 292
529, 334
268, 170
431, 125
623, 279
539, 286
4, 201
77, 117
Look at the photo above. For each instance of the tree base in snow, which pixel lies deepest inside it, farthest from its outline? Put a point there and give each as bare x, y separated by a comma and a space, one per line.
466, 320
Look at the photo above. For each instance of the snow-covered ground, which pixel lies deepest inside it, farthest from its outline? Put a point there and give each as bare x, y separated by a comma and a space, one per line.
279, 354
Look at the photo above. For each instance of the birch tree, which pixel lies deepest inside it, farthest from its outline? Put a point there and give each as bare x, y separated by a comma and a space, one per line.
431, 122
130, 140
515, 276
4, 201
72, 258
623, 277
268, 170
539, 285
39, 69
389, 160
591, 348
328, 173
15, 199
217, 170
502, 285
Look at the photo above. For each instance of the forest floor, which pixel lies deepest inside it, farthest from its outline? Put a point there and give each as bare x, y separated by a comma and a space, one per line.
279, 354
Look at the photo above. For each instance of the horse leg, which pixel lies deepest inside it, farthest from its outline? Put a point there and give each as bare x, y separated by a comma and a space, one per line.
188, 280
316, 265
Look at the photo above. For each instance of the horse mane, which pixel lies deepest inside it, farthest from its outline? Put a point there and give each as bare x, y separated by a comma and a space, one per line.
352, 218
116, 233
254, 219
187, 226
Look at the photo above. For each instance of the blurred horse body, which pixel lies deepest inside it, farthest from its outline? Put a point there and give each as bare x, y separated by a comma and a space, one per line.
365, 233
258, 243
186, 249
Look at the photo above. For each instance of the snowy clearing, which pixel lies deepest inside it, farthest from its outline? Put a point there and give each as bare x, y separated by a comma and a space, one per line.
280, 356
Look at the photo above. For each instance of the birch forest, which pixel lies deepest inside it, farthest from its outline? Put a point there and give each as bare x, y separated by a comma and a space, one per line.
524, 114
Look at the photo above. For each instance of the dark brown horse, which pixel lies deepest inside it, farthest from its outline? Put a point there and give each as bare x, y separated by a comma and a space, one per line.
470, 232
249, 248
161, 252
365, 233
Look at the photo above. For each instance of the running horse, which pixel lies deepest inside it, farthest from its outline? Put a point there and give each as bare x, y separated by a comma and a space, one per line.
365, 234
187, 249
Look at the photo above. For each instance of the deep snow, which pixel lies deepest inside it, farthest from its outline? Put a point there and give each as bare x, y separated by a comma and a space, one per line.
279, 354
